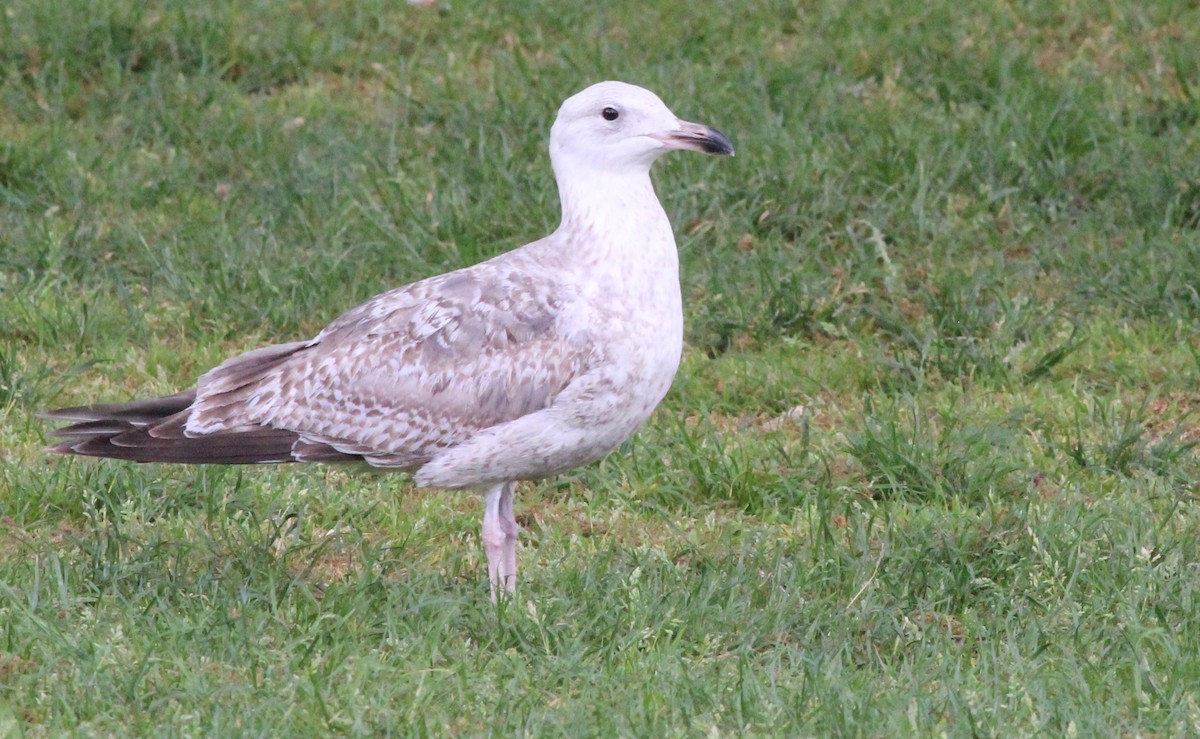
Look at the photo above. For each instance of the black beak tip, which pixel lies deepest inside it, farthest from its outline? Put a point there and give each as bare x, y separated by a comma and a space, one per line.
717, 143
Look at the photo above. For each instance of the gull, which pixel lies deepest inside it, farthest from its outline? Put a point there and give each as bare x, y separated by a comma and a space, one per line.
527, 365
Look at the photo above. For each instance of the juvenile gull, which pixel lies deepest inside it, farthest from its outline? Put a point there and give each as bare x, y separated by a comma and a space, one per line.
540, 360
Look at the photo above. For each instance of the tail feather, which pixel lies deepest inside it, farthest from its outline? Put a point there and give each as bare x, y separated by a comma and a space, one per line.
190, 453
153, 431
138, 412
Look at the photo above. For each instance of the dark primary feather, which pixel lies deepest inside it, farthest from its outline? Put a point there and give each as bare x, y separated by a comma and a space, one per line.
152, 431
134, 412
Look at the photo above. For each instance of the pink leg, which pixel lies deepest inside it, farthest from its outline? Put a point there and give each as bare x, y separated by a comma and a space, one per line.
500, 532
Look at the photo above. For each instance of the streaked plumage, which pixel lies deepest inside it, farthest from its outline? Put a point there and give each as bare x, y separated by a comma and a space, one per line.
526, 365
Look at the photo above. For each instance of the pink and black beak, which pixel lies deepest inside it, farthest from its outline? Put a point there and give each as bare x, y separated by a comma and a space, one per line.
696, 137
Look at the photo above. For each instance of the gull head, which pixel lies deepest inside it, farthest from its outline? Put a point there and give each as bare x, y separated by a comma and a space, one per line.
623, 128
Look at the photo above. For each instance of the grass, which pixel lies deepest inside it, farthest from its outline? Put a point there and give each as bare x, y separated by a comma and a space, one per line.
929, 466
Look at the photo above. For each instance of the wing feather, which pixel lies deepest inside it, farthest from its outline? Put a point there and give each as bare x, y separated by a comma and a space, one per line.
412, 371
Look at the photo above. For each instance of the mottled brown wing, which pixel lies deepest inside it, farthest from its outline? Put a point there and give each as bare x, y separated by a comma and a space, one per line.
411, 371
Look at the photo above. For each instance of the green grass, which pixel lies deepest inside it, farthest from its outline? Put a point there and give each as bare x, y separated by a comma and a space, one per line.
929, 467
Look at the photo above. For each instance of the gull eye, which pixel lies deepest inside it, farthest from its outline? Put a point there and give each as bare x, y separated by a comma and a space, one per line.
610, 113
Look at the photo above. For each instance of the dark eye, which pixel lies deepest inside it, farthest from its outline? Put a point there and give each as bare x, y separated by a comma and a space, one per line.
610, 113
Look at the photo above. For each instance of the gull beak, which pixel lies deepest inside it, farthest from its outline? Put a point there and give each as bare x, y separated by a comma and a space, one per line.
696, 137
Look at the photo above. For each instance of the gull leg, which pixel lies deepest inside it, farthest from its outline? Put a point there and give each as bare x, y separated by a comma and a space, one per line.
508, 561
500, 532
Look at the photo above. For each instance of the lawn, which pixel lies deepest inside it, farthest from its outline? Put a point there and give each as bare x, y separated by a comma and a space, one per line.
929, 467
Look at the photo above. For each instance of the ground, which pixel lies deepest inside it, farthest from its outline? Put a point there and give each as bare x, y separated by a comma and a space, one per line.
929, 466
